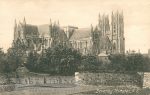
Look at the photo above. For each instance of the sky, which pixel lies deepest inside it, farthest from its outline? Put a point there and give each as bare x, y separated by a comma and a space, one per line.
80, 13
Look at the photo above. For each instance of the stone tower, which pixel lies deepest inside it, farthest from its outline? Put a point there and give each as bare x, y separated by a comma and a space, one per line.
54, 33
117, 29
19, 29
15, 31
103, 24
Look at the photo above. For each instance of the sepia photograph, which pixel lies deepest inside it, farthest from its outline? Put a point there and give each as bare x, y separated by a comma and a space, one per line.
74, 47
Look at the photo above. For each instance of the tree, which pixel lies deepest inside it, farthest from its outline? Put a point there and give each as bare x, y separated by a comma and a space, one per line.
14, 58
58, 60
3, 62
5, 67
135, 62
118, 62
89, 63
146, 64
16, 54
32, 60
64, 59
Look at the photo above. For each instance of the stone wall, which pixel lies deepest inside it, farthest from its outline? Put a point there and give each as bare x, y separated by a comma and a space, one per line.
4, 88
38, 79
146, 80
110, 79
84, 78
45, 80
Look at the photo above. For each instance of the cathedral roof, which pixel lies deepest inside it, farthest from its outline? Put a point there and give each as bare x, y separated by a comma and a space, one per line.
30, 29
81, 33
62, 35
44, 30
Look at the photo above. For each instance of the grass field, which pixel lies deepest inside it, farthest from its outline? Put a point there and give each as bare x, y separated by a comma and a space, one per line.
117, 91
79, 90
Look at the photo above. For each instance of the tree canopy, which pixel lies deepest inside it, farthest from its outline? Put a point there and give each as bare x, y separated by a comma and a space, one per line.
60, 60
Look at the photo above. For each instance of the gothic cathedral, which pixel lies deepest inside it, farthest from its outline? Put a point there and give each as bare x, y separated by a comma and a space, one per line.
104, 37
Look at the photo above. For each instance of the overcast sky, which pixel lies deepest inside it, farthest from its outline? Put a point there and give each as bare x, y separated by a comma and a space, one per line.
81, 13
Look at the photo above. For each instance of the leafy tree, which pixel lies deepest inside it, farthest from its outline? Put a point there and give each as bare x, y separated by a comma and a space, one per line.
4, 66
60, 60
89, 63
63, 59
31, 63
16, 55
146, 64
14, 58
135, 62
118, 61
2, 61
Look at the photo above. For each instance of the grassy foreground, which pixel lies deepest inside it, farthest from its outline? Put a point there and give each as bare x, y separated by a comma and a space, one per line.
117, 91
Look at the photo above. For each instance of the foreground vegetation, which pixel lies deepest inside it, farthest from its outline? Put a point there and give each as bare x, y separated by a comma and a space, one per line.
117, 91
62, 60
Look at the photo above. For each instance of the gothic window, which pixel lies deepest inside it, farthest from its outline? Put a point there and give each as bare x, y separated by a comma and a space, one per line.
114, 26
34, 40
114, 46
96, 36
80, 44
19, 33
86, 44
75, 44
46, 42
119, 33
114, 29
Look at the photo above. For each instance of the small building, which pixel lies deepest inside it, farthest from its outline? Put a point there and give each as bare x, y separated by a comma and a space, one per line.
103, 57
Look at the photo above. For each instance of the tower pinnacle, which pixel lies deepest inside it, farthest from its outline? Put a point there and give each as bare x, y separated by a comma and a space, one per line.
24, 21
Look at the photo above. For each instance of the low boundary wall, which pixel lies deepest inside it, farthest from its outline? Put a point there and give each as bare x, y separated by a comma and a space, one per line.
110, 79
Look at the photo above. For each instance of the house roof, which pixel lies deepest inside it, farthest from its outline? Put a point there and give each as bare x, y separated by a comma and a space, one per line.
81, 33
44, 30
